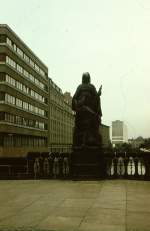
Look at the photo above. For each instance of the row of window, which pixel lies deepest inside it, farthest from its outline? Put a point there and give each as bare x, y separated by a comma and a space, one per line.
22, 104
11, 140
54, 86
61, 107
55, 138
56, 125
59, 100
21, 70
61, 114
25, 57
24, 88
15, 119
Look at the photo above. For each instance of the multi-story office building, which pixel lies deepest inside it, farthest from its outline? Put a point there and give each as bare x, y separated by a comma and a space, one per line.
23, 98
119, 132
61, 121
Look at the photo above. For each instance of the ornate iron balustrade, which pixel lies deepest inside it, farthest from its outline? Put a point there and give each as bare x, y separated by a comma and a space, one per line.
130, 165
49, 165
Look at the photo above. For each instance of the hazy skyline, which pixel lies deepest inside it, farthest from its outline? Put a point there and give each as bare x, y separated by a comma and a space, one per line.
110, 39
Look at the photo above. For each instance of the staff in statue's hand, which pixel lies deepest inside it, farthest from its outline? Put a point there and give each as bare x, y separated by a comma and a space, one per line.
100, 91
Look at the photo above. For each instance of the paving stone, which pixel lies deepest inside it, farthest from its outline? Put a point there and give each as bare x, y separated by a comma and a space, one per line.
85, 226
106, 216
138, 221
85, 203
60, 223
70, 211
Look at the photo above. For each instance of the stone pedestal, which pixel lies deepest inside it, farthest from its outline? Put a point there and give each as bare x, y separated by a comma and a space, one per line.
87, 162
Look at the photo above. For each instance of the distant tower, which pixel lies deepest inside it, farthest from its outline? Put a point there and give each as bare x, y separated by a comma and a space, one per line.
119, 132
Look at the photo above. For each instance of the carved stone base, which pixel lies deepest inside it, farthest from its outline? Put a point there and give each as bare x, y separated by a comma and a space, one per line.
87, 163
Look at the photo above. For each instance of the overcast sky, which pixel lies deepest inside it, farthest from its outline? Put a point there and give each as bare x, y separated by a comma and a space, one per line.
108, 38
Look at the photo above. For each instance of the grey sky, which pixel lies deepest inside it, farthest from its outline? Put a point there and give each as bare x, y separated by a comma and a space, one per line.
108, 38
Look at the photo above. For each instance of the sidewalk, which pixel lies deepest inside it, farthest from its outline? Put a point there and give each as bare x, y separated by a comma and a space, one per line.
111, 205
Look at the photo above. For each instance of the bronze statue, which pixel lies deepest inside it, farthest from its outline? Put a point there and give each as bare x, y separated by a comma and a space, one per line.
87, 107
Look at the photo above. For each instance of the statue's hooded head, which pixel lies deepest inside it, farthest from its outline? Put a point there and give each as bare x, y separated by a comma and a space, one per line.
86, 78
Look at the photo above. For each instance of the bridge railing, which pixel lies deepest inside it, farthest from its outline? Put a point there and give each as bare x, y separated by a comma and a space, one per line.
51, 166
131, 165
125, 165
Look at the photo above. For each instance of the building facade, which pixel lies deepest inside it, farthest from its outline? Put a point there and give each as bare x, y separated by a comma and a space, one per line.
119, 132
23, 98
61, 120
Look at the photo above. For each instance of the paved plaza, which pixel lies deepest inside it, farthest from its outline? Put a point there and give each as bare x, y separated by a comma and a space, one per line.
111, 205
